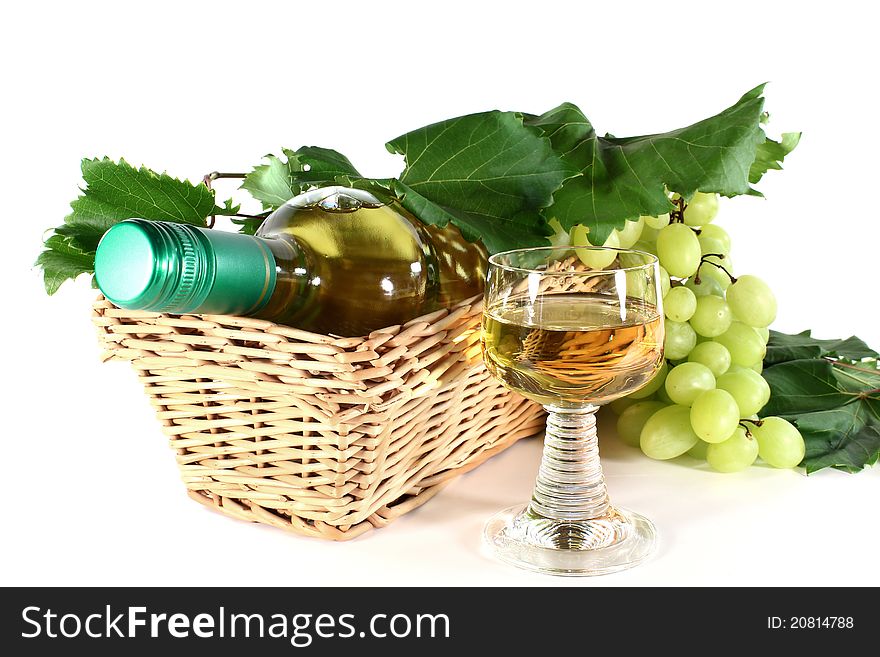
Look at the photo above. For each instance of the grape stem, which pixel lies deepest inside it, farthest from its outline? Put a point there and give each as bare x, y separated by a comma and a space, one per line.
250, 216
677, 215
715, 264
742, 424
850, 366
757, 423
217, 175
864, 394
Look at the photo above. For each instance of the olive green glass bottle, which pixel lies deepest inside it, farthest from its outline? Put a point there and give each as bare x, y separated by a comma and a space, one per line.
332, 260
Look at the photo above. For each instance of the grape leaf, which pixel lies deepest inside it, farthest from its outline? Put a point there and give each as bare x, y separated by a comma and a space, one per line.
851, 452
502, 176
488, 173
770, 154
784, 347
277, 181
117, 191
835, 403
249, 225
63, 259
623, 178
803, 386
114, 192
495, 235
381, 188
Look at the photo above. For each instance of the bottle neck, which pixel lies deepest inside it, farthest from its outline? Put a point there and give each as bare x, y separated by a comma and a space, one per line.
295, 278
244, 276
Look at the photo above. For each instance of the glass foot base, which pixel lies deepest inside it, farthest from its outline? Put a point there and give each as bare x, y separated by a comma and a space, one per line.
619, 540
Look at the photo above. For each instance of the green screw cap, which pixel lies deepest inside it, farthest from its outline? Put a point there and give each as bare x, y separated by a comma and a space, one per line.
167, 267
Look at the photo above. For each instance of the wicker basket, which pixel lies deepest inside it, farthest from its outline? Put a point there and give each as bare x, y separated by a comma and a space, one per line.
319, 435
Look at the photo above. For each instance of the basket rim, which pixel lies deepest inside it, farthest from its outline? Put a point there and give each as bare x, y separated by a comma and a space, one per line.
102, 303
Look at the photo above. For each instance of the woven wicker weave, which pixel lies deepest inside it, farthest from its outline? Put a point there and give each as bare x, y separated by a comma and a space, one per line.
315, 434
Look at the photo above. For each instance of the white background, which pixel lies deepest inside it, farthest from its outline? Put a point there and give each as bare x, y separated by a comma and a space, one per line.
91, 489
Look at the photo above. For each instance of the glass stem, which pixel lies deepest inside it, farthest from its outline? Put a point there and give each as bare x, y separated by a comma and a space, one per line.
570, 485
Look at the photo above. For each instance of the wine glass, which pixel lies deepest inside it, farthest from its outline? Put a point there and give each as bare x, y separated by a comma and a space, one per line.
572, 328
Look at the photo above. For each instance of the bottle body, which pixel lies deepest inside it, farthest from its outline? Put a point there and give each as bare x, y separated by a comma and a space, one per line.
362, 266
333, 260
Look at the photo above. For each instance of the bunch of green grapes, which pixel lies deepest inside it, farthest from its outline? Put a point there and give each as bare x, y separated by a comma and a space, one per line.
706, 399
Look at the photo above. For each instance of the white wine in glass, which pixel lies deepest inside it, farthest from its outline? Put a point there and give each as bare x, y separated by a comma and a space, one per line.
571, 349
571, 338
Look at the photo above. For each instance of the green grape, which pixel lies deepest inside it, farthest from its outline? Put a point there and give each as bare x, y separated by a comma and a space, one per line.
661, 395
710, 245
631, 421
713, 355
647, 239
705, 287
679, 250
709, 270
657, 222
668, 433
701, 209
748, 388
712, 316
757, 367
594, 258
734, 454
665, 284
636, 284
764, 332
685, 382
680, 339
560, 236
752, 301
698, 451
745, 346
619, 405
653, 385
715, 232
779, 442
714, 239
714, 415
630, 233
679, 304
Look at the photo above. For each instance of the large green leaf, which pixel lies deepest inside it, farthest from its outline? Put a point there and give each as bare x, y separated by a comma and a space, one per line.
495, 235
624, 178
834, 403
501, 176
114, 192
803, 386
117, 191
783, 347
489, 174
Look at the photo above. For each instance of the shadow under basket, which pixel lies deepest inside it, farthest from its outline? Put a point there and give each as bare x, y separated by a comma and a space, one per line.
319, 435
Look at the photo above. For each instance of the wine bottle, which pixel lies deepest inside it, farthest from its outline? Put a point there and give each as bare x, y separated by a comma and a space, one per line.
332, 260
